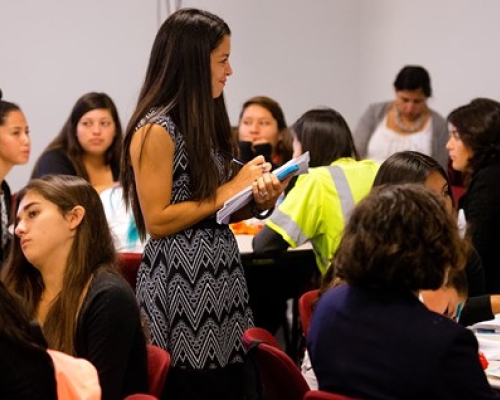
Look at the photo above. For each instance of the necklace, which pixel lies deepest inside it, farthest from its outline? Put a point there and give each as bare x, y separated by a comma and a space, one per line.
414, 127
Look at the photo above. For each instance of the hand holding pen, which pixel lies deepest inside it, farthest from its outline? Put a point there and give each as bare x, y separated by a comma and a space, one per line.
251, 171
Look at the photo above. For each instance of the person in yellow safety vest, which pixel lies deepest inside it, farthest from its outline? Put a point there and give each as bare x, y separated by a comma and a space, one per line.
318, 206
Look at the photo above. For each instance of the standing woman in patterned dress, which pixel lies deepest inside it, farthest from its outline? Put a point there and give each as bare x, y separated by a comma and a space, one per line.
178, 170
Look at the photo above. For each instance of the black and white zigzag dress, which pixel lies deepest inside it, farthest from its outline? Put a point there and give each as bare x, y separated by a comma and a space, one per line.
191, 286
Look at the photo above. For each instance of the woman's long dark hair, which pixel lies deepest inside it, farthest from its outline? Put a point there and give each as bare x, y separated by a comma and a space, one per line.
15, 324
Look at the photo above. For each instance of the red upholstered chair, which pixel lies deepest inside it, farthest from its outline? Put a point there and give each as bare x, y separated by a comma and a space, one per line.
158, 365
128, 264
321, 395
306, 304
259, 335
280, 377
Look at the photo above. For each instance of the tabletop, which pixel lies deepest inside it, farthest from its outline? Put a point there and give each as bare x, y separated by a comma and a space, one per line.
245, 244
493, 374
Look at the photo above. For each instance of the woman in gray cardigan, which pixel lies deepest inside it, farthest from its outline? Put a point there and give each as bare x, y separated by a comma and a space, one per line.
406, 123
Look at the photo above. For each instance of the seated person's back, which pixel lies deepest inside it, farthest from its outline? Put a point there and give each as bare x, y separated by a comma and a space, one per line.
372, 337
316, 208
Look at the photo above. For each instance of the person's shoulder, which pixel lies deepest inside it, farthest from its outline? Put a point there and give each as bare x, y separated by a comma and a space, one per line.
433, 325
349, 162
313, 179
57, 152
494, 166
487, 175
333, 297
54, 154
157, 119
363, 170
53, 161
380, 107
110, 285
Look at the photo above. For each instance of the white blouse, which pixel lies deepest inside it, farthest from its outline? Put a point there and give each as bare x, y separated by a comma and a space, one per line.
385, 142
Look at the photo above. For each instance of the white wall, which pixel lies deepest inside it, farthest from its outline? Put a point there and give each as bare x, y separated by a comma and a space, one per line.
456, 40
340, 53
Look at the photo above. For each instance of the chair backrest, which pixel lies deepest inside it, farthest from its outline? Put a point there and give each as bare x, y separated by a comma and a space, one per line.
306, 304
158, 365
321, 395
279, 376
256, 334
140, 396
128, 264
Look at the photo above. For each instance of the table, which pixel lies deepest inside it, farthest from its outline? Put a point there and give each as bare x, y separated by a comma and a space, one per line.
489, 345
272, 279
493, 368
245, 245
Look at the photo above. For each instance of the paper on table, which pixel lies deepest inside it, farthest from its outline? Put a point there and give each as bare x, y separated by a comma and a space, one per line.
489, 345
492, 324
244, 197
488, 336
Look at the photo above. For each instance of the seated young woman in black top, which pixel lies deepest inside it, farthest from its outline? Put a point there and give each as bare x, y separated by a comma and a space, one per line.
63, 263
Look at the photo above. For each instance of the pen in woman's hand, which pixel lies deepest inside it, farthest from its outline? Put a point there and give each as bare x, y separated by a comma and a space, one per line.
239, 162
233, 159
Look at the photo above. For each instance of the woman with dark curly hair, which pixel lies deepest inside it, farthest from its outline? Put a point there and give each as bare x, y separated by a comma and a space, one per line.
474, 148
372, 337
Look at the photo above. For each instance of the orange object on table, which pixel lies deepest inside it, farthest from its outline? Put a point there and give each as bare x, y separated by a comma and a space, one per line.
247, 227
483, 360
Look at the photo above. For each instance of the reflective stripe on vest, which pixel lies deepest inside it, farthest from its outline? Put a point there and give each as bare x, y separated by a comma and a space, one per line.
346, 203
343, 190
289, 226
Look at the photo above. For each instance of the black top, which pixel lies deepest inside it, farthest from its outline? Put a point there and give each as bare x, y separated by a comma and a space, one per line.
56, 162
8, 211
25, 373
478, 305
481, 205
109, 335
377, 344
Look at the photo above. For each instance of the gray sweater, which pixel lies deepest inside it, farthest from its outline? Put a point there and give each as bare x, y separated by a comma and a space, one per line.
376, 113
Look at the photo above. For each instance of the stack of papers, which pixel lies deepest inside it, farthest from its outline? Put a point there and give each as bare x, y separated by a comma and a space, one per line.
244, 197
488, 337
491, 325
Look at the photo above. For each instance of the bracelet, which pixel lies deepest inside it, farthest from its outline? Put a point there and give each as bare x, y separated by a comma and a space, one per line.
258, 214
